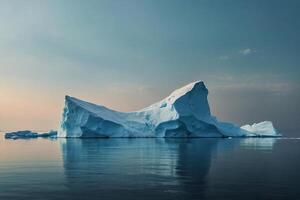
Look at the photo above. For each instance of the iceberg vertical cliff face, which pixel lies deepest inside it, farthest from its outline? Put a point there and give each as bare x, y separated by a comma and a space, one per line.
184, 113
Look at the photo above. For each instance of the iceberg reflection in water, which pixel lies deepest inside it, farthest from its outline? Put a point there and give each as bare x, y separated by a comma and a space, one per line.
134, 168
150, 168
259, 143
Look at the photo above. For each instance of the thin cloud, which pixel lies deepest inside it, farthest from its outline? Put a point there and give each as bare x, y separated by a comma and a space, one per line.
246, 51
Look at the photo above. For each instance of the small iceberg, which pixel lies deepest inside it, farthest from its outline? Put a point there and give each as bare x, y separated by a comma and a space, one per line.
29, 134
20, 134
262, 129
50, 134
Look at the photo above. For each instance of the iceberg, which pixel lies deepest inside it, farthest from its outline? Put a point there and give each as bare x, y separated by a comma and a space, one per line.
29, 134
20, 134
184, 113
265, 129
50, 134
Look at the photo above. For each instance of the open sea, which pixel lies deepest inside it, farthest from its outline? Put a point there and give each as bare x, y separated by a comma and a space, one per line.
149, 168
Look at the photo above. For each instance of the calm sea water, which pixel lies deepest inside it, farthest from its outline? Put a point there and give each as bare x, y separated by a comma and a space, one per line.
262, 168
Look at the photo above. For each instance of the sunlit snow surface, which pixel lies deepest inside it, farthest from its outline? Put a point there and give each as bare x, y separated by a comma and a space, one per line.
184, 113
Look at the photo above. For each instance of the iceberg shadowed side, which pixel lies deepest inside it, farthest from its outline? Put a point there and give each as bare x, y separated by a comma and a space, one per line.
184, 113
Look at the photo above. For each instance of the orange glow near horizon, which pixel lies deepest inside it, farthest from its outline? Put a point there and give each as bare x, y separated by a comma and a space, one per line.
30, 109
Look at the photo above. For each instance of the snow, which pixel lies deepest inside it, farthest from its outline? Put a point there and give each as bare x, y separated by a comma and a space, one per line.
184, 113
29, 134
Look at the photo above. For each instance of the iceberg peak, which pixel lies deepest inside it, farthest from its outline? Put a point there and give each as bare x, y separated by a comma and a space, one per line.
197, 85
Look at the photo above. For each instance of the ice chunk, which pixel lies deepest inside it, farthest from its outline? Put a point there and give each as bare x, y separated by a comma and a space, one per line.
50, 134
29, 134
21, 134
263, 129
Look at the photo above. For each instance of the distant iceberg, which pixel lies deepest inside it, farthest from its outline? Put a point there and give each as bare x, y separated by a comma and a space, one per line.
184, 113
20, 134
29, 134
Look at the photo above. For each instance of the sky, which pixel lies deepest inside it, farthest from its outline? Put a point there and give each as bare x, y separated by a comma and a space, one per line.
127, 54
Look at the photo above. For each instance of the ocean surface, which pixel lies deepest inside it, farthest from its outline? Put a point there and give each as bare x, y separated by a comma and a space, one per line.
135, 169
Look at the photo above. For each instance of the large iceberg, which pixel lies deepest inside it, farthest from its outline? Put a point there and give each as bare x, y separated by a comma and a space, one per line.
184, 113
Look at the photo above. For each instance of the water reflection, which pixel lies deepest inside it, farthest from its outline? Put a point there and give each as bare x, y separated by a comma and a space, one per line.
150, 169
259, 143
193, 164
140, 168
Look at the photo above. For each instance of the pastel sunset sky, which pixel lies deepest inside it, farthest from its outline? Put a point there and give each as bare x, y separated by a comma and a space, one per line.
127, 54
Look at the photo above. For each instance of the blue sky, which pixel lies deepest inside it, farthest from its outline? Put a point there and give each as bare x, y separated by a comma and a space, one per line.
127, 54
